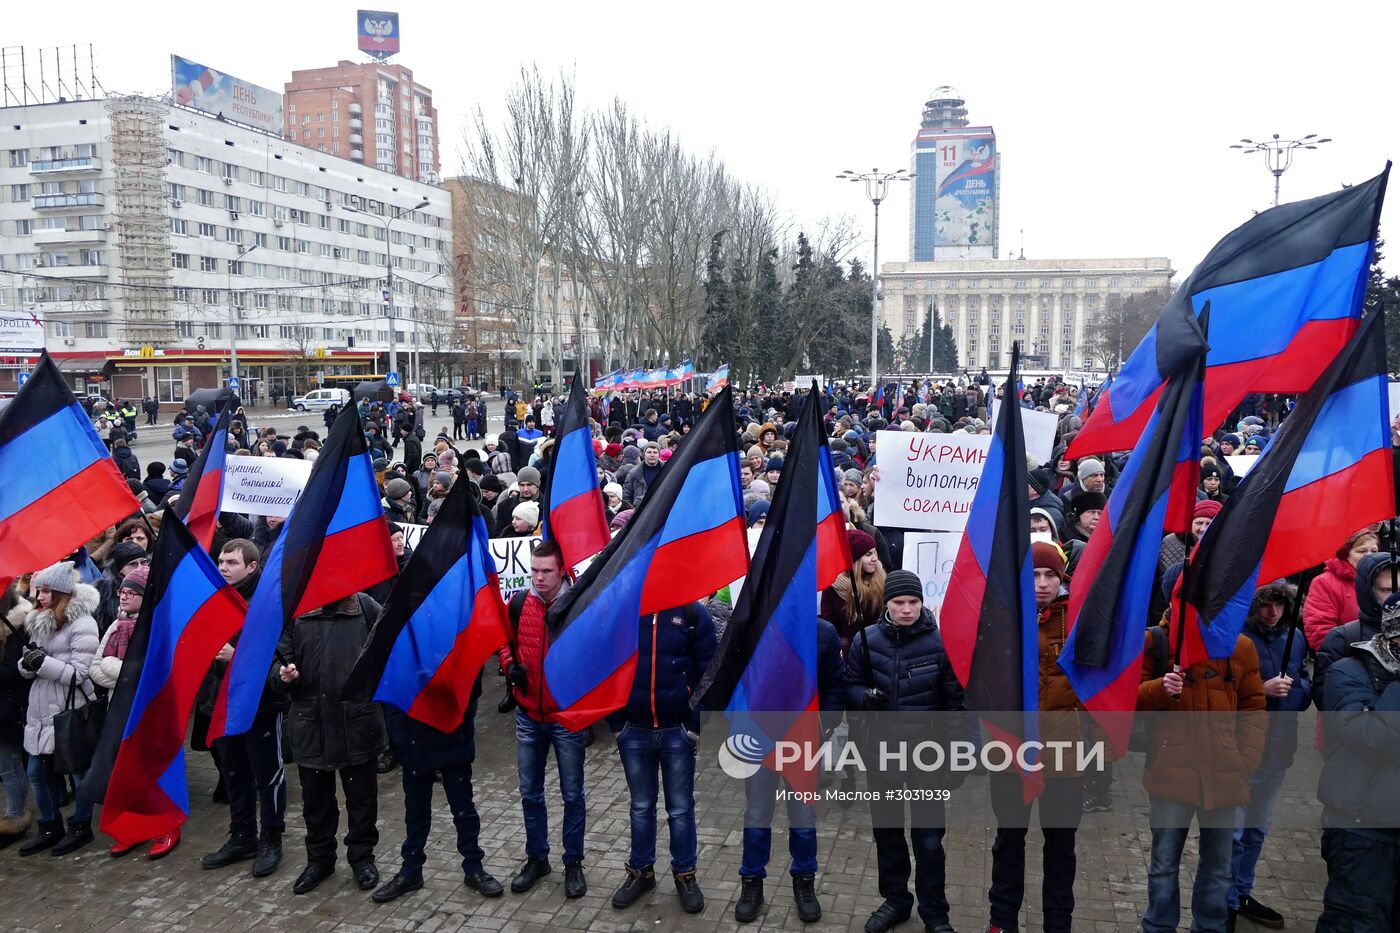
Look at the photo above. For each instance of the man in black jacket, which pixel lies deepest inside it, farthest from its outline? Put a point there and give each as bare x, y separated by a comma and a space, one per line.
424, 752
328, 735
659, 732
896, 667
251, 763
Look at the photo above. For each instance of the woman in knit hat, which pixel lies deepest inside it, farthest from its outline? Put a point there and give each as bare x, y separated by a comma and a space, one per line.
64, 637
856, 598
1331, 599
524, 518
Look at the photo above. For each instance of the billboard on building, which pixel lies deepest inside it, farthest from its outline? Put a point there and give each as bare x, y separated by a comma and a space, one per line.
200, 87
965, 201
379, 33
20, 332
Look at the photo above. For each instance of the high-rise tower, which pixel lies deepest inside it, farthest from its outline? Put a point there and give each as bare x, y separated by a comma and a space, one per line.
953, 205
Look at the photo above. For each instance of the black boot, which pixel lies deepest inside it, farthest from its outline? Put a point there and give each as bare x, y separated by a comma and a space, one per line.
692, 898
235, 849
750, 898
79, 835
50, 832
269, 854
533, 870
804, 891
637, 882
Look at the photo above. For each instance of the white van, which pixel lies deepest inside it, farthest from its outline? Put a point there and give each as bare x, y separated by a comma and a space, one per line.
321, 399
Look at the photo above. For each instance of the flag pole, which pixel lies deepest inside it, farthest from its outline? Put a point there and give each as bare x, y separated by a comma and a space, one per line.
1294, 611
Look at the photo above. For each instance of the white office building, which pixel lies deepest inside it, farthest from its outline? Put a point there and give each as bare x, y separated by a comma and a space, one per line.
1046, 304
148, 237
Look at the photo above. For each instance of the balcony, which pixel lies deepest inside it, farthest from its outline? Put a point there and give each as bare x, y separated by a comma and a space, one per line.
72, 270
68, 237
357, 154
58, 202
356, 124
356, 139
65, 166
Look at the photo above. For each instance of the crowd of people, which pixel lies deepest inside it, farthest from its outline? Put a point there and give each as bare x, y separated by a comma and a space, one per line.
66, 627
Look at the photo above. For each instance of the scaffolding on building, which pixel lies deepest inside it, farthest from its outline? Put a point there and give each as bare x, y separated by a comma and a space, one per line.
142, 218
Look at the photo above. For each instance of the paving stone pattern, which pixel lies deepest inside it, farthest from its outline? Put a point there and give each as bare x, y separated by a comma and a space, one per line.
91, 891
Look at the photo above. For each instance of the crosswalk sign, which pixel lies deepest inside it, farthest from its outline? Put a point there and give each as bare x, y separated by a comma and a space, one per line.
233, 383
391, 379
21, 378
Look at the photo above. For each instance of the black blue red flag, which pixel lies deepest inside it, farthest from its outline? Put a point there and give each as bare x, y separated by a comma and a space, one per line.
1285, 291
443, 619
198, 504
764, 675
687, 540
1326, 473
574, 514
1155, 496
988, 620
188, 614
334, 543
58, 483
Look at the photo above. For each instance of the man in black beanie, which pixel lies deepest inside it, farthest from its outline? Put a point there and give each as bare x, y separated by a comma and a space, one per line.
897, 673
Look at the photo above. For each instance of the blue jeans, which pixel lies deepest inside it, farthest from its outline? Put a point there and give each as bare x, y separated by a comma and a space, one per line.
1251, 826
15, 780
669, 751
48, 788
1170, 821
760, 792
533, 741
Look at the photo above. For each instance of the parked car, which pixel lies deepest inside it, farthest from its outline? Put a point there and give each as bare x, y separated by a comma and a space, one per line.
321, 399
422, 392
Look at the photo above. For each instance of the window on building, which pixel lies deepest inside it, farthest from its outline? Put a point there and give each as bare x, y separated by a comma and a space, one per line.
320, 118
90, 257
179, 226
204, 164
214, 330
179, 260
232, 171
205, 197
170, 384
207, 230
94, 329
19, 158
210, 296
182, 295
184, 328
208, 264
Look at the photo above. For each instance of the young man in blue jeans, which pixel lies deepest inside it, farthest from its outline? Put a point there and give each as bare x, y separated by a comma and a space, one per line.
1207, 738
535, 735
659, 733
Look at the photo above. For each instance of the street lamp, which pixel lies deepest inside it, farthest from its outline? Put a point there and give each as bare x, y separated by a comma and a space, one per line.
232, 325
1278, 153
386, 223
877, 185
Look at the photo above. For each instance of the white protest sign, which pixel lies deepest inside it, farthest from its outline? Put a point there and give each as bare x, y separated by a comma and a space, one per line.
927, 481
1241, 463
930, 554
1039, 428
1394, 389
263, 485
512, 556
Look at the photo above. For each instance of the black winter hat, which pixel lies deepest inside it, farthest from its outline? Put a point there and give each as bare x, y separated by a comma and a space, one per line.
123, 553
1040, 479
903, 583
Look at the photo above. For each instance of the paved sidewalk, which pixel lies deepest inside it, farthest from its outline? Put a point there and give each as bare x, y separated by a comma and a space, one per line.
91, 891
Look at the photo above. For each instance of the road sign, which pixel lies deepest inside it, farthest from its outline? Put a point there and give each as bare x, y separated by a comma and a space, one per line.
391, 379
21, 378
233, 383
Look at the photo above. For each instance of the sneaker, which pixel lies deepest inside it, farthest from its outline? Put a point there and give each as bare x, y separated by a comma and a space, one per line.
1098, 802
692, 898
636, 883
1251, 909
750, 898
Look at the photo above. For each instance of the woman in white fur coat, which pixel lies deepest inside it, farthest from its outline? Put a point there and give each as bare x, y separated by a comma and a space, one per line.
63, 638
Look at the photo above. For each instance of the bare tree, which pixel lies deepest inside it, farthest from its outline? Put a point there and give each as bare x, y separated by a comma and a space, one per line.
1111, 333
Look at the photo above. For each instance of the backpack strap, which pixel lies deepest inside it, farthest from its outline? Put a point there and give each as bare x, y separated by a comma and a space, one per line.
869, 670
1159, 650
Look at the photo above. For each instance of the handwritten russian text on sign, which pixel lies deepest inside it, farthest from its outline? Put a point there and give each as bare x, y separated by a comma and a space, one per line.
927, 481
263, 485
931, 554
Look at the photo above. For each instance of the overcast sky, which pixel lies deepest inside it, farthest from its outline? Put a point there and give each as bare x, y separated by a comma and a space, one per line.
1113, 118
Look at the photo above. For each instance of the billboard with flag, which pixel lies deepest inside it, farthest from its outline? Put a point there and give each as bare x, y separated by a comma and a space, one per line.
219, 94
